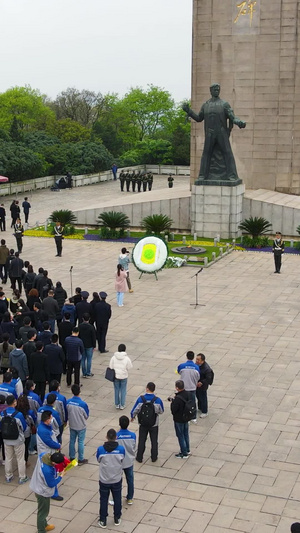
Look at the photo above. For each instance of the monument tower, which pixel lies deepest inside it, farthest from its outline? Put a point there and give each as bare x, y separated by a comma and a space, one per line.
252, 48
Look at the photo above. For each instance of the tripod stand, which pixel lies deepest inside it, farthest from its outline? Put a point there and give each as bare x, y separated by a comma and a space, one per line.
196, 281
71, 279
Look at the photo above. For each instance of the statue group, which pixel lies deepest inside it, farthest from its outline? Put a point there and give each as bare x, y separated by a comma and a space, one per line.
217, 162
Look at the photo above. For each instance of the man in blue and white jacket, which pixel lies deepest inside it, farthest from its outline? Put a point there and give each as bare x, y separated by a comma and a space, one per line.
110, 457
49, 406
60, 404
45, 437
44, 482
127, 439
78, 413
190, 375
15, 447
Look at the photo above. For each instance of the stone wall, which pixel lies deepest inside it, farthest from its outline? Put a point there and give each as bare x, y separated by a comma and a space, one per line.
257, 63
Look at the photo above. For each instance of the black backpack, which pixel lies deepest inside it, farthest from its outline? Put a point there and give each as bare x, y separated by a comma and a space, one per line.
212, 377
9, 426
189, 410
147, 415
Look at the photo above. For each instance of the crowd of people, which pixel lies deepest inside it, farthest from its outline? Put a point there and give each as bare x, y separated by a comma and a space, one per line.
46, 334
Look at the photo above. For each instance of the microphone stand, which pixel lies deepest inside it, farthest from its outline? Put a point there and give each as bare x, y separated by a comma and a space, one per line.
71, 279
196, 280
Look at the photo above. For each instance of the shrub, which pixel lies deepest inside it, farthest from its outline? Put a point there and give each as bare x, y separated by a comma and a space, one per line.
156, 224
256, 242
255, 226
113, 224
64, 216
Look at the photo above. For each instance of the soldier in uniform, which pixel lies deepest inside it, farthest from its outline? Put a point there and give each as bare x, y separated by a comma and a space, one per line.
122, 180
19, 230
139, 180
128, 180
170, 181
150, 181
278, 250
58, 237
133, 181
145, 181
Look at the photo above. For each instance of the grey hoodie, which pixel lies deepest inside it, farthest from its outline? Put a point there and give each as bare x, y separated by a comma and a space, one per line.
18, 360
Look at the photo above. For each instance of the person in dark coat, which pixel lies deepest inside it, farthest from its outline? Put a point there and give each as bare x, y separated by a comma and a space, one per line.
44, 285
4, 253
38, 277
60, 296
15, 212
87, 334
83, 307
26, 206
45, 336
206, 379
2, 218
93, 302
28, 279
30, 346
181, 425
3, 305
8, 325
32, 298
56, 359
103, 314
40, 316
19, 230
15, 271
65, 328
8, 261
38, 369
77, 296
50, 306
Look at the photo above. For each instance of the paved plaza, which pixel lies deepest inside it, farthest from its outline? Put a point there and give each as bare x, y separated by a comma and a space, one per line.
243, 473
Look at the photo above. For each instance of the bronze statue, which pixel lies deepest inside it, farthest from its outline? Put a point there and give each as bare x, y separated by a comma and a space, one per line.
217, 162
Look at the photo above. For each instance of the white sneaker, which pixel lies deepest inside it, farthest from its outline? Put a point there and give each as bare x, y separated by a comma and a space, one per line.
194, 421
204, 415
111, 502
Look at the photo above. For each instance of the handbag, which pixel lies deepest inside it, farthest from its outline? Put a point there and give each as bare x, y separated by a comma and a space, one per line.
110, 374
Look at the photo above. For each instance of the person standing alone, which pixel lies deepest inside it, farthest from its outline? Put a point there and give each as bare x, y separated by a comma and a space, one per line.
58, 237
278, 250
26, 206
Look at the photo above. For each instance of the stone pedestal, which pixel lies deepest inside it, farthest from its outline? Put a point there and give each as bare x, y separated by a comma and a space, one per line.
217, 210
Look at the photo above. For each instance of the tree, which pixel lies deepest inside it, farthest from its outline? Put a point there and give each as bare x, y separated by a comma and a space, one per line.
156, 224
67, 130
20, 163
81, 106
27, 107
77, 158
149, 110
149, 151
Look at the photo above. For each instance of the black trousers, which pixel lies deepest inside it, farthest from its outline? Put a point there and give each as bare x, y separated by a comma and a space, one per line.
13, 283
73, 365
58, 242
56, 377
40, 388
19, 243
2, 224
122, 184
101, 337
143, 434
26, 216
277, 260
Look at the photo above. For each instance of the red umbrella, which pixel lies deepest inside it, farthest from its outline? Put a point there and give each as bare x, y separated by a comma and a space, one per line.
3, 179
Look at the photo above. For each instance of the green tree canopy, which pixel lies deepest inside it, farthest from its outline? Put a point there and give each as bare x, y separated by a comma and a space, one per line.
20, 163
26, 106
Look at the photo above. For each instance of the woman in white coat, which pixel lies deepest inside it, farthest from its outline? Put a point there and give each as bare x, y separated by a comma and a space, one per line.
121, 363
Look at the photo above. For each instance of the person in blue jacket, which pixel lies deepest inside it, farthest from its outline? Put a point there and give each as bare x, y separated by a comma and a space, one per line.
50, 406
7, 387
47, 440
127, 439
43, 483
110, 457
78, 413
60, 404
17, 446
